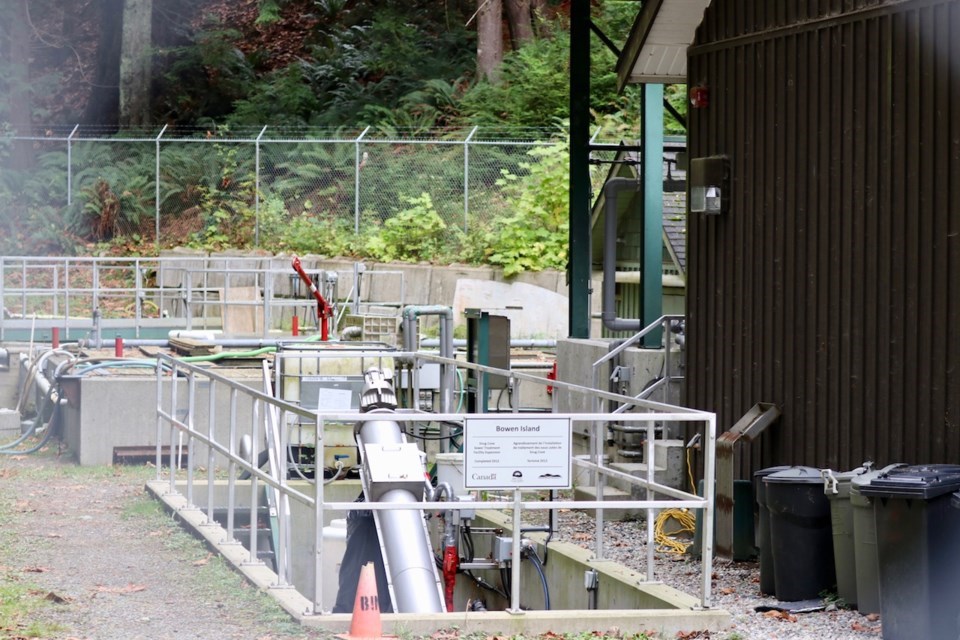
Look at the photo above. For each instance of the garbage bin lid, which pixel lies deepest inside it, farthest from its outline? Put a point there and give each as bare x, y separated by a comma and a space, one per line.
919, 481
837, 483
795, 475
858, 482
763, 473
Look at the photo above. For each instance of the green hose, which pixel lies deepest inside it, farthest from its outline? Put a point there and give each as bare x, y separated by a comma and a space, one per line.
213, 357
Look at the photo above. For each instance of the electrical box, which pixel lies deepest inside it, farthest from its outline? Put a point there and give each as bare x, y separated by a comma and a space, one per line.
488, 344
709, 180
393, 466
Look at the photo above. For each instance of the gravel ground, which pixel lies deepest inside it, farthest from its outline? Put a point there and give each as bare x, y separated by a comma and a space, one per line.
106, 563
735, 587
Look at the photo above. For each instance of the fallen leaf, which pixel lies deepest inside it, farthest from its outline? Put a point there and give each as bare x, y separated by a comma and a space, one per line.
727, 590
203, 561
54, 535
873, 617
582, 536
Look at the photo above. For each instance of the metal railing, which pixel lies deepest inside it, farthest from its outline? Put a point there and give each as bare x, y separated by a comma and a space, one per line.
136, 295
181, 430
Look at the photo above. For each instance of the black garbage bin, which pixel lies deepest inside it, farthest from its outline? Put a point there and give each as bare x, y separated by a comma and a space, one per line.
764, 550
801, 534
918, 547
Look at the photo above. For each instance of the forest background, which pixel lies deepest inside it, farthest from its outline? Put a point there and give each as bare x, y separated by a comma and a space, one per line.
305, 69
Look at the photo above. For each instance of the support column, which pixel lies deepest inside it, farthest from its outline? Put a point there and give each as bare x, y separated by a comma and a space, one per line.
652, 270
578, 272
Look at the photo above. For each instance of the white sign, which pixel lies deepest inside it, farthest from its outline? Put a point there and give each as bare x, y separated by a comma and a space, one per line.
516, 453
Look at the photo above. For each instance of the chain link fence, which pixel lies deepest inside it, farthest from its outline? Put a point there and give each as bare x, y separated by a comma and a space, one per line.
173, 184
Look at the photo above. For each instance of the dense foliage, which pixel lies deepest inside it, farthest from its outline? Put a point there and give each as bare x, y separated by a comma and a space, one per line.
403, 67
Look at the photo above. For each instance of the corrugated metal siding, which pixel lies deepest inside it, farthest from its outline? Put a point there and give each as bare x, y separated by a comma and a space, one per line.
832, 288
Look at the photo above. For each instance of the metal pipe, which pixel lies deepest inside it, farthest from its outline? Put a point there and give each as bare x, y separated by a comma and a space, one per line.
608, 315
408, 554
519, 343
324, 312
412, 566
410, 315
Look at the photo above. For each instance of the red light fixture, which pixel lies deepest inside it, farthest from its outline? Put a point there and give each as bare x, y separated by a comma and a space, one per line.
699, 97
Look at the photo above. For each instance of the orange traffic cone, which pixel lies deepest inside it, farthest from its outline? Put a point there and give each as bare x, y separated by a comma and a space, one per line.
365, 622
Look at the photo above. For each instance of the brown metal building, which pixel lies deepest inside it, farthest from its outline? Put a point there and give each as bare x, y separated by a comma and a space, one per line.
831, 285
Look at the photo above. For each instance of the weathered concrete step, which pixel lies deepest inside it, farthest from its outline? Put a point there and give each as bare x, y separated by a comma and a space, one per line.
612, 494
637, 470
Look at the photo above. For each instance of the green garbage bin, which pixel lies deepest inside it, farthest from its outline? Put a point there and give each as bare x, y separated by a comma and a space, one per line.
744, 547
800, 533
865, 542
836, 486
918, 544
764, 549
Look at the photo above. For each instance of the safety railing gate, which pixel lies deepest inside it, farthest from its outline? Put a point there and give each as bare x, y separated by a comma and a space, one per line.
197, 426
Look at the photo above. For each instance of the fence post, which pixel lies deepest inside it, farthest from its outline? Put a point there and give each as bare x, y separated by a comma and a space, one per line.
70, 165
156, 194
466, 177
256, 189
356, 183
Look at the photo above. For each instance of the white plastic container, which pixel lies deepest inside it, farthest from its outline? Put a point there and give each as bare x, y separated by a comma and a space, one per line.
334, 546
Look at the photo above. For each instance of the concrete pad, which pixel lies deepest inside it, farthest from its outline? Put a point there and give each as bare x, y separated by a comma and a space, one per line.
534, 312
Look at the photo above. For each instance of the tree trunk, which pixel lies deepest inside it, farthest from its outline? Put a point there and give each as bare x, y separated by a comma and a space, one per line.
489, 39
521, 22
538, 9
103, 106
16, 77
135, 59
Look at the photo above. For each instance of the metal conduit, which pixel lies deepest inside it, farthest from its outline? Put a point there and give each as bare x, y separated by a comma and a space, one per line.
611, 194
411, 313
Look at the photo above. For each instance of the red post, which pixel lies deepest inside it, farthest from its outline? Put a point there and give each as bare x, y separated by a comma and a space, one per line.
324, 312
118, 347
296, 325
55, 337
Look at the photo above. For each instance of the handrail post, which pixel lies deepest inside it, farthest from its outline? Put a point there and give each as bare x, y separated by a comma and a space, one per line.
173, 426
159, 459
211, 459
232, 465
253, 547
318, 525
138, 297
191, 411
156, 187
709, 492
356, 181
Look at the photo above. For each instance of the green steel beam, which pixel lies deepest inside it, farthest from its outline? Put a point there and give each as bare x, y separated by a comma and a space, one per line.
578, 274
652, 119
